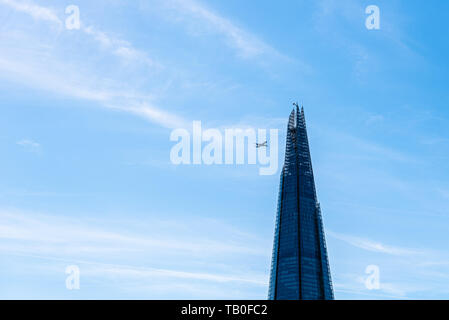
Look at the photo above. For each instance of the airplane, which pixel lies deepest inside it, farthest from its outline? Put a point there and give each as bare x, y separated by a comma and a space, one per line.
264, 144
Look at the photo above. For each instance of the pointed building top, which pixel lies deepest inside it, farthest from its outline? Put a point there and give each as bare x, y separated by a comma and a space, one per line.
300, 265
296, 105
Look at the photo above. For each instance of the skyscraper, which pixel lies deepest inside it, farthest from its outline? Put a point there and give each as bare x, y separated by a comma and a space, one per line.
299, 266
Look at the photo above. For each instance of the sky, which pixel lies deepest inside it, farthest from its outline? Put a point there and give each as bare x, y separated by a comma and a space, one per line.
86, 114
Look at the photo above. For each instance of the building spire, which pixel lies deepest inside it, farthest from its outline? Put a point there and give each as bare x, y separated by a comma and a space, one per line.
300, 265
296, 105
297, 113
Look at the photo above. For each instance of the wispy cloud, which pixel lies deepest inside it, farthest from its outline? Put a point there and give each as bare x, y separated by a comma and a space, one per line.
89, 88
48, 234
29, 145
204, 20
147, 111
374, 246
142, 273
151, 247
98, 269
355, 284
31, 62
380, 150
120, 48
367, 147
36, 11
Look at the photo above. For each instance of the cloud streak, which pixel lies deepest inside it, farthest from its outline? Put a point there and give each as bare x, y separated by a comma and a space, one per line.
29, 145
53, 235
373, 246
203, 20
35, 11
99, 246
97, 269
46, 71
120, 48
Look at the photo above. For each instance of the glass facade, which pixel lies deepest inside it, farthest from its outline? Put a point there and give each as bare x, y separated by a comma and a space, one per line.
299, 267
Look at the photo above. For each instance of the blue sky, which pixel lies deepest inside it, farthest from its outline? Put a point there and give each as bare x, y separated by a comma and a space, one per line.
86, 116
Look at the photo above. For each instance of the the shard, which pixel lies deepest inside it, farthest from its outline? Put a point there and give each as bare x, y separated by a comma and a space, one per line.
299, 266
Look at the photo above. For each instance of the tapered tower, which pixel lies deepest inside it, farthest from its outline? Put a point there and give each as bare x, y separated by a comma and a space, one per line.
299, 267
